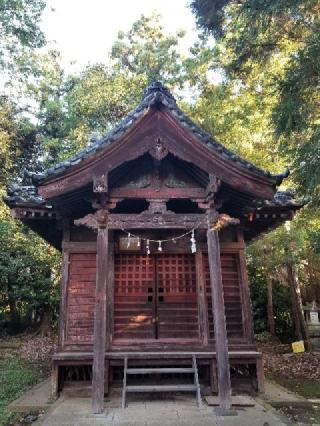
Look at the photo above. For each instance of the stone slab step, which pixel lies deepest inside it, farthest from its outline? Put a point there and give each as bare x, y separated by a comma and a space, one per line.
237, 400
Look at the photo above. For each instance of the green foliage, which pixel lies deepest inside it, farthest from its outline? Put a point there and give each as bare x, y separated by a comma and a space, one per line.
18, 142
16, 377
239, 118
281, 302
210, 14
72, 109
146, 51
28, 276
275, 45
297, 115
28, 266
19, 29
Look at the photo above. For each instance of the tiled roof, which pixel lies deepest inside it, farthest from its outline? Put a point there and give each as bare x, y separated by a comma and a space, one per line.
25, 196
282, 199
154, 95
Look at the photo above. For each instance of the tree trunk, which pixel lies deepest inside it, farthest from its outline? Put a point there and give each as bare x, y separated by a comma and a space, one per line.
301, 329
271, 324
45, 324
13, 309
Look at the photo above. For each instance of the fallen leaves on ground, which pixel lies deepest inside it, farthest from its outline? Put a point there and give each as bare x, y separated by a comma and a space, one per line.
300, 365
38, 349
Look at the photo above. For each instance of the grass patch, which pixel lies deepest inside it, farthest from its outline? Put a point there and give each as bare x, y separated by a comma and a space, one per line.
16, 376
300, 415
308, 388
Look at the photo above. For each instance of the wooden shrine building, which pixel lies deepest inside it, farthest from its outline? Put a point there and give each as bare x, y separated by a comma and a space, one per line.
152, 221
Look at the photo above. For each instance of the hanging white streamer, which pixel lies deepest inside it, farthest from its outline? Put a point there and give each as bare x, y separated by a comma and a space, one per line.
193, 242
160, 242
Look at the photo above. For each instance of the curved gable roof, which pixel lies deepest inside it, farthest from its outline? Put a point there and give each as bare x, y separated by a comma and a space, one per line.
154, 95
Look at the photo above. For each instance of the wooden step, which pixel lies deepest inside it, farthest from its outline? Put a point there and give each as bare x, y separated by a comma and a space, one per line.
162, 388
159, 370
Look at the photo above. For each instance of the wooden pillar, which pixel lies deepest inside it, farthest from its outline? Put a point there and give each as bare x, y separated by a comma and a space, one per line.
64, 284
99, 344
110, 293
220, 331
202, 301
246, 298
260, 375
54, 380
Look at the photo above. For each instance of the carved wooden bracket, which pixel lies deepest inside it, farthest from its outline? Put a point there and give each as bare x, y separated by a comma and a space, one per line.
100, 183
158, 149
218, 221
213, 185
99, 219
157, 206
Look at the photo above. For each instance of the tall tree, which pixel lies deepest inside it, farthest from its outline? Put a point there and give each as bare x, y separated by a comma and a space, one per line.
251, 35
73, 109
146, 51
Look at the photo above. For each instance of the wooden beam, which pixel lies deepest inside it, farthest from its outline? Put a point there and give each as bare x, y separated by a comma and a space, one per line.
220, 331
150, 193
38, 213
80, 246
147, 221
98, 369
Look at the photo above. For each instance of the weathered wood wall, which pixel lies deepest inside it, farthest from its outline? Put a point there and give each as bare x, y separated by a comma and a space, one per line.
232, 295
136, 294
81, 298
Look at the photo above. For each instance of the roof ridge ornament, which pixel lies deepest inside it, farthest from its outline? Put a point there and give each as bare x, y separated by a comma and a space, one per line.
158, 87
279, 177
158, 150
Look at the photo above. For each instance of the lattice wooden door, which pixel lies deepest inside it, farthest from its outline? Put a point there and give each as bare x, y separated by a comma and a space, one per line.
177, 307
155, 297
134, 286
